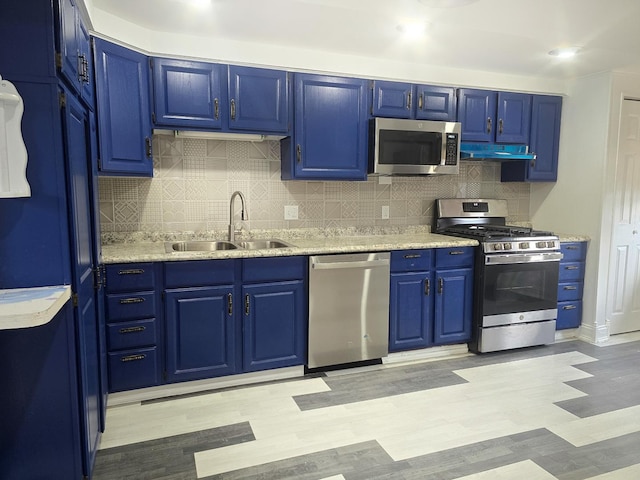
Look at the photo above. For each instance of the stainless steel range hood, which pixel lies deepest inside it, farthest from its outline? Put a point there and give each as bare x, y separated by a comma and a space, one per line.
496, 152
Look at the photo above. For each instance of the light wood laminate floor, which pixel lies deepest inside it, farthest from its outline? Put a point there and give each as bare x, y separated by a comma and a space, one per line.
565, 411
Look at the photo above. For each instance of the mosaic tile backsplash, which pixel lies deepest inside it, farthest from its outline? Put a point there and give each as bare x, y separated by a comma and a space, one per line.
194, 179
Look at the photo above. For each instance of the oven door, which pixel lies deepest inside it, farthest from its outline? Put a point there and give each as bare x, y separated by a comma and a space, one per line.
519, 288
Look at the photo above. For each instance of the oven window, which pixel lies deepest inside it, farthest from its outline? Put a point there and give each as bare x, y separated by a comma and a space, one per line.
520, 287
409, 148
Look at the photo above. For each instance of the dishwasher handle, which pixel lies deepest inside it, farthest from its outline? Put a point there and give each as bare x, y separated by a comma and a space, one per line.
356, 264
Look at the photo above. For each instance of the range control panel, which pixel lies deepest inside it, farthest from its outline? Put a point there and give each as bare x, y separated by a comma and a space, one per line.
513, 245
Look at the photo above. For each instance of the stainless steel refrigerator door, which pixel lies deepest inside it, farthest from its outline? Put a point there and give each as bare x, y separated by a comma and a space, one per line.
348, 308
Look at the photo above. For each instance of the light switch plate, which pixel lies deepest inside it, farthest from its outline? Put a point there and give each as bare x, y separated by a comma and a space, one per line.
291, 212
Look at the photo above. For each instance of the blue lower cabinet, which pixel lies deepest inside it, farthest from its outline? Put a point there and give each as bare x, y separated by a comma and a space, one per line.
129, 369
200, 332
274, 325
571, 284
453, 306
569, 314
410, 312
427, 308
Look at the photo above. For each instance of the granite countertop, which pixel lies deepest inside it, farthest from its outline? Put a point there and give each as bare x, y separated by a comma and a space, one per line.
31, 307
572, 237
143, 248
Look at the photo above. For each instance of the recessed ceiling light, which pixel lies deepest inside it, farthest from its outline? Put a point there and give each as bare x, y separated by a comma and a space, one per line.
446, 3
413, 29
564, 52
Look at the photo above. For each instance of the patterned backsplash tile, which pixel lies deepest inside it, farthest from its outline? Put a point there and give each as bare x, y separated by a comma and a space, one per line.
194, 179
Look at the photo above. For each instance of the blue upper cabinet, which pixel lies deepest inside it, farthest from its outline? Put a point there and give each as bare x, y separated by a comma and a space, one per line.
74, 53
392, 99
404, 100
188, 94
488, 116
545, 142
329, 140
124, 115
435, 103
258, 99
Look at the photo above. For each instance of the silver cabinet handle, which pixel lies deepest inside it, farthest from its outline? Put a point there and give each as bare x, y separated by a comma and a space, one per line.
427, 287
571, 267
298, 153
569, 307
216, 109
489, 121
456, 252
230, 303
409, 101
570, 287
133, 358
440, 285
500, 126
131, 271
132, 330
233, 109
410, 256
246, 304
127, 301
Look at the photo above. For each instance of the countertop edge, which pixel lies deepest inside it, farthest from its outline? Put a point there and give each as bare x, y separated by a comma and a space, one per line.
39, 309
154, 251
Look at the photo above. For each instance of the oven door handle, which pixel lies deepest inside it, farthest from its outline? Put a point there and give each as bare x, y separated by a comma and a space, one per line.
522, 258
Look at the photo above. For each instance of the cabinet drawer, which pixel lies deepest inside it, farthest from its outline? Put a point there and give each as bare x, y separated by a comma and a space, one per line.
199, 273
570, 291
127, 306
571, 271
454, 257
569, 315
273, 269
133, 369
573, 251
140, 333
411, 260
129, 277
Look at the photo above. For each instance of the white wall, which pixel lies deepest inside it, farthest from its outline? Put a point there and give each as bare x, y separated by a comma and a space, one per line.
574, 203
296, 59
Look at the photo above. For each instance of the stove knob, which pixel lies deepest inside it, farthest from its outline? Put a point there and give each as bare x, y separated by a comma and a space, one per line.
497, 246
541, 244
507, 246
551, 244
523, 245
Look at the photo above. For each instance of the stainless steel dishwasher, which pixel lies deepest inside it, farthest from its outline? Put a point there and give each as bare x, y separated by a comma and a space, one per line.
348, 308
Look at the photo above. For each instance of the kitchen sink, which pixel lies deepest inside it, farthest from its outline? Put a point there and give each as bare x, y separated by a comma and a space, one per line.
199, 246
260, 244
214, 245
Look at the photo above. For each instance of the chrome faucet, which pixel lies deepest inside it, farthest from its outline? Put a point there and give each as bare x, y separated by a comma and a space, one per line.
244, 215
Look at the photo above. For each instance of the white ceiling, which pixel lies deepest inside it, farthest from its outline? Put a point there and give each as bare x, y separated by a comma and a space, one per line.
502, 36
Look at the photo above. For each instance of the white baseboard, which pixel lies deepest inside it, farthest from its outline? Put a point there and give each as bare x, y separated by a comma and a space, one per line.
593, 333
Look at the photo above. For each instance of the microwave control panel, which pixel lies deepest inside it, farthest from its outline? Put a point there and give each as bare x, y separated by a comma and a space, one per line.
451, 149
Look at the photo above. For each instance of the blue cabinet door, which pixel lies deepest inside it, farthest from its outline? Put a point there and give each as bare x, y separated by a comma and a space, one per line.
87, 82
410, 310
476, 112
77, 130
200, 332
188, 94
513, 118
546, 112
274, 325
392, 99
258, 99
68, 42
435, 103
330, 133
453, 305
124, 116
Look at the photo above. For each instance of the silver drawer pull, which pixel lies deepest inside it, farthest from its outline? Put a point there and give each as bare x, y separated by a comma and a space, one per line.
131, 271
456, 252
133, 358
132, 330
569, 307
127, 301
572, 247
416, 255
570, 287
571, 267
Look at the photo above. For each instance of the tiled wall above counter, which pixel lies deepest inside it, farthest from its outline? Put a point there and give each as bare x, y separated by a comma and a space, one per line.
194, 179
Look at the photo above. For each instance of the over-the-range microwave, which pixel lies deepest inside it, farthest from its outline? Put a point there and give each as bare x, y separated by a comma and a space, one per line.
413, 147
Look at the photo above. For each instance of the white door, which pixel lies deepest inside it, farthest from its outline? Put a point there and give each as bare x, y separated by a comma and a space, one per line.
623, 296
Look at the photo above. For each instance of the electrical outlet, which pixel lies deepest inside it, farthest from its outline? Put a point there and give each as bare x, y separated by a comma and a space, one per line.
385, 212
291, 212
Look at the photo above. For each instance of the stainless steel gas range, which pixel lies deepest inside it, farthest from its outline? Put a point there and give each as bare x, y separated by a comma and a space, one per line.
516, 274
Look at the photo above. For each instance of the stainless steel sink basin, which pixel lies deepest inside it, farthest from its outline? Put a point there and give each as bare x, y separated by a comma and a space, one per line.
199, 246
261, 244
